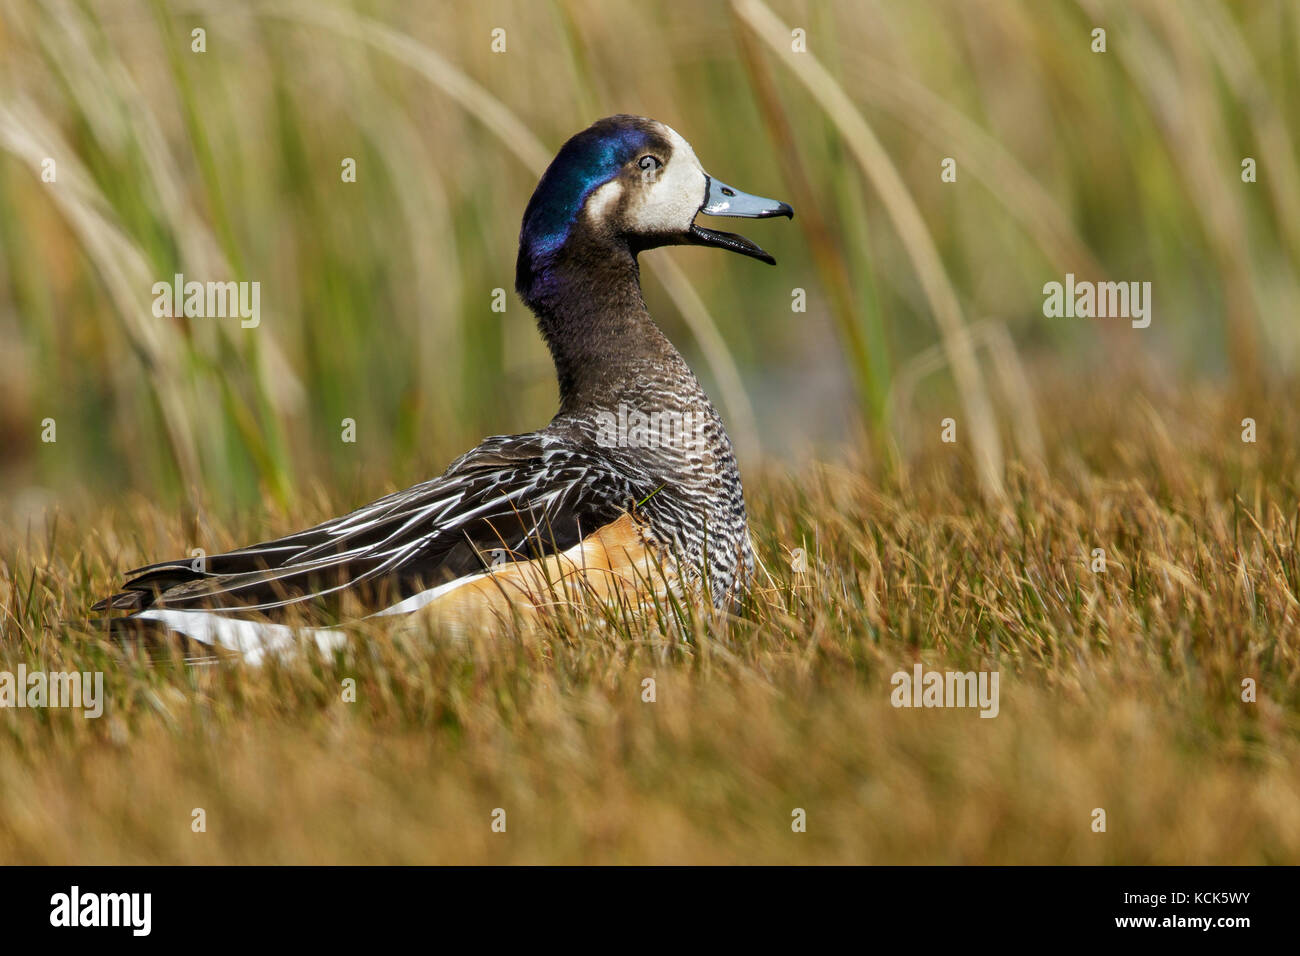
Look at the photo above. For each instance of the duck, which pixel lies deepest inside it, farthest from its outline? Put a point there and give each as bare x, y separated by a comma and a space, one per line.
634, 476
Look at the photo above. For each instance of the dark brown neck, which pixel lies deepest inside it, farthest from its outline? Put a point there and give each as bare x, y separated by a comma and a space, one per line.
587, 298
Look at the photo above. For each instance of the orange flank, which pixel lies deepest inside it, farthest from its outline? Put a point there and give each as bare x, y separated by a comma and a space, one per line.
615, 565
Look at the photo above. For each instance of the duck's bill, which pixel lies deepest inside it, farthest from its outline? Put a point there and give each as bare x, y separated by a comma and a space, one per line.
723, 200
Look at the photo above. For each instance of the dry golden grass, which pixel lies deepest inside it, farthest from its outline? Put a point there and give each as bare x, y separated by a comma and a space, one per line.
1119, 691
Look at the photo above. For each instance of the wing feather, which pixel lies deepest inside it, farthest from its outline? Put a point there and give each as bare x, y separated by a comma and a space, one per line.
524, 496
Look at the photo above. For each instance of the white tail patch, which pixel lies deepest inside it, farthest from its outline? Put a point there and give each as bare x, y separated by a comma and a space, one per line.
253, 639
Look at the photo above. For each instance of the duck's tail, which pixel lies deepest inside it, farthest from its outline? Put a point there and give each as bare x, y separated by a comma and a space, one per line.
207, 636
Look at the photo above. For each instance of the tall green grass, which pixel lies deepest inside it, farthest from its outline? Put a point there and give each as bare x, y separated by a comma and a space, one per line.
377, 295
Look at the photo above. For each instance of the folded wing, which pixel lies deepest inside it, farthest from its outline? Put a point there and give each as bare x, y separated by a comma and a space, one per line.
517, 497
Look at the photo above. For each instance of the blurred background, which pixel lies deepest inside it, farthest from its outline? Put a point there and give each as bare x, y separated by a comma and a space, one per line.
376, 296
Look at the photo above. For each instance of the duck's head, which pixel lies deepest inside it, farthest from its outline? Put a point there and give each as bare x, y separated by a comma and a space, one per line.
634, 183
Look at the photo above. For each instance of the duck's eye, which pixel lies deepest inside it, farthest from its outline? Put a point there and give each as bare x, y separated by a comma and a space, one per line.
649, 164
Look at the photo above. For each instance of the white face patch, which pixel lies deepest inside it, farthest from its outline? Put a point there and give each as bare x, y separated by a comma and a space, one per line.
664, 205
600, 202
669, 203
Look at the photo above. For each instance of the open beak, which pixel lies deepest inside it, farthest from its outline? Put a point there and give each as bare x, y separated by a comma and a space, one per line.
722, 200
